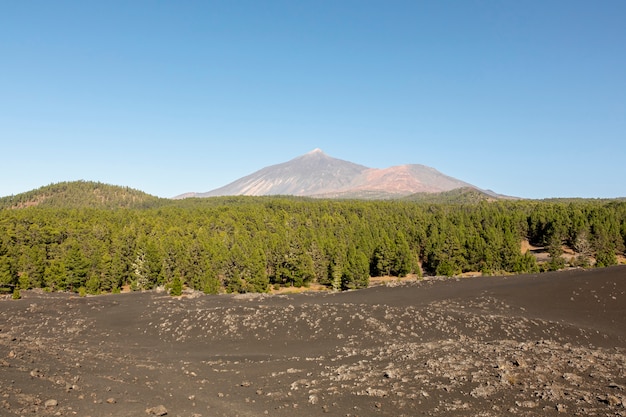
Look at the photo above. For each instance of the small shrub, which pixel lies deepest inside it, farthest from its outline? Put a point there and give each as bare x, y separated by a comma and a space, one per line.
24, 281
176, 288
582, 261
16, 294
556, 263
212, 286
93, 285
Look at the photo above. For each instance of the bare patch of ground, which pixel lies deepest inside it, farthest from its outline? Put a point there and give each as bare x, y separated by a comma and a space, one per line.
297, 290
569, 255
549, 344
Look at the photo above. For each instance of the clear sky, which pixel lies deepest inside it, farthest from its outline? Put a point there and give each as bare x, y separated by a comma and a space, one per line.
527, 98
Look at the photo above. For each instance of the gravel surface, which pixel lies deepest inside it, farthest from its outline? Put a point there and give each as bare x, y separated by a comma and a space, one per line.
549, 344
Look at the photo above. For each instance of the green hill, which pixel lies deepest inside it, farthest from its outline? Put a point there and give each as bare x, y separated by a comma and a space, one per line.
81, 194
464, 195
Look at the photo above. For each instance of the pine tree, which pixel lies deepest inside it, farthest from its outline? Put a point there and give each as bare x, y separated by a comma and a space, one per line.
8, 277
176, 288
356, 271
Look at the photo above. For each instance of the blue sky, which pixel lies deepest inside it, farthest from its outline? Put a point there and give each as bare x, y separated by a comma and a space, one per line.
527, 98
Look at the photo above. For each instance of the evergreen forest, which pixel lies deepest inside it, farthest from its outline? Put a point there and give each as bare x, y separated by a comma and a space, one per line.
124, 238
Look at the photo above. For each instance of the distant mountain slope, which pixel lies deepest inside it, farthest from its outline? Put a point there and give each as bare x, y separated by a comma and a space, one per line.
316, 174
406, 179
78, 194
306, 175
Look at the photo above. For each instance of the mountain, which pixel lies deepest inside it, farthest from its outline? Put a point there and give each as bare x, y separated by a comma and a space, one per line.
80, 194
306, 175
316, 174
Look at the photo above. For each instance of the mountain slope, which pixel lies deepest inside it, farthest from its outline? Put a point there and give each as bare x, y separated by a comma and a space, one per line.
309, 174
316, 174
406, 179
79, 194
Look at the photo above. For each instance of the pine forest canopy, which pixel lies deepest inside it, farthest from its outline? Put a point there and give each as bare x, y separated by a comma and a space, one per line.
247, 244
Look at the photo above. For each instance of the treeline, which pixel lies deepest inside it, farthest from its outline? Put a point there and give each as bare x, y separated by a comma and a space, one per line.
247, 244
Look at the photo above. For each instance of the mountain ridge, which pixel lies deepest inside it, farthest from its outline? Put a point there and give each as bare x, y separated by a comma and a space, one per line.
316, 174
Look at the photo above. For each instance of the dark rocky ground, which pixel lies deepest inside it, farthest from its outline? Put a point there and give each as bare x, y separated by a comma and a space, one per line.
550, 344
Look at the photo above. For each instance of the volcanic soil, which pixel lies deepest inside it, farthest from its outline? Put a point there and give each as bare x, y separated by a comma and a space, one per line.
549, 344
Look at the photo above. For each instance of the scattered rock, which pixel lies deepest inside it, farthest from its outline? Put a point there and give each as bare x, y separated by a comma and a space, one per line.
526, 404
375, 392
50, 403
389, 374
610, 399
159, 410
483, 391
